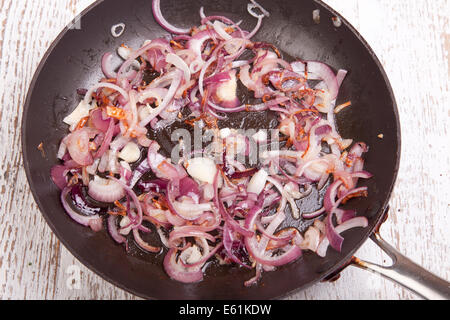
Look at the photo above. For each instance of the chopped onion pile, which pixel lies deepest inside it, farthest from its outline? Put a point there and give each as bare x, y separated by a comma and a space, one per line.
202, 210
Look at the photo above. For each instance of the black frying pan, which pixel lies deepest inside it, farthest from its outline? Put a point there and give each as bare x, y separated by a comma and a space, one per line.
73, 61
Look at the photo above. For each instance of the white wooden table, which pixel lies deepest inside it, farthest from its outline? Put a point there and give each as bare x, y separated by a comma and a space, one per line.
412, 40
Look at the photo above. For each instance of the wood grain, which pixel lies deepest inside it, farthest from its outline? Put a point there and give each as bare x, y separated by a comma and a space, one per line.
412, 40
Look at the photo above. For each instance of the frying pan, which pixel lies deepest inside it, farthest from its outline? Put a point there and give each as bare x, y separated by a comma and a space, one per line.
73, 61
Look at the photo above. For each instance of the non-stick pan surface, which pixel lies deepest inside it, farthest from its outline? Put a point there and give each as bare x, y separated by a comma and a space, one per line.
73, 61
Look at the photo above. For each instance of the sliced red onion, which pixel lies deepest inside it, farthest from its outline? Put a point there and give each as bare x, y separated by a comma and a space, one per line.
78, 147
333, 236
188, 231
205, 257
228, 242
225, 92
112, 229
290, 254
344, 215
256, 29
81, 203
185, 210
121, 27
162, 167
341, 76
218, 27
59, 176
179, 273
256, 278
180, 64
155, 216
234, 225
106, 141
204, 79
315, 70
88, 221
135, 199
202, 75
97, 120
243, 174
167, 99
156, 7
88, 97
314, 214
144, 245
141, 169
174, 219
190, 188
163, 237
254, 5
217, 78
361, 222
330, 195
261, 229
105, 190
107, 68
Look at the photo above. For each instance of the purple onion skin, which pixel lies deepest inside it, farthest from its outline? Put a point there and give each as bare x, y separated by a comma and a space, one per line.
239, 250
243, 174
188, 187
80, 202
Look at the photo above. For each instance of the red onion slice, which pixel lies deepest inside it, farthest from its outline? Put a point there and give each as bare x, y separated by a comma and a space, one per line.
107, 68
234, 225
59, 175
104, 190
187, 211
205, 257
228, 242
97, 120
315, 70
333, 236
88, 96
141, 169
88, 221
180, 64
106, 141
156, 7
188, 231
256, 278
361, 222
179, 273
78, 147
290, 254
176, 81
113, 231
190, 188
133, 197
144, 245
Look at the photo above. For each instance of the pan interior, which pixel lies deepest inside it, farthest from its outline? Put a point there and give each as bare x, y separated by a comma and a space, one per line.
73, 62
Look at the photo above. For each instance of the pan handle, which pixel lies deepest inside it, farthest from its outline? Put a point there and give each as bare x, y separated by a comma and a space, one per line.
406, 273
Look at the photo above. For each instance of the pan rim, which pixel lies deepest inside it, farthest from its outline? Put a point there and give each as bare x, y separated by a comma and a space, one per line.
337, 266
